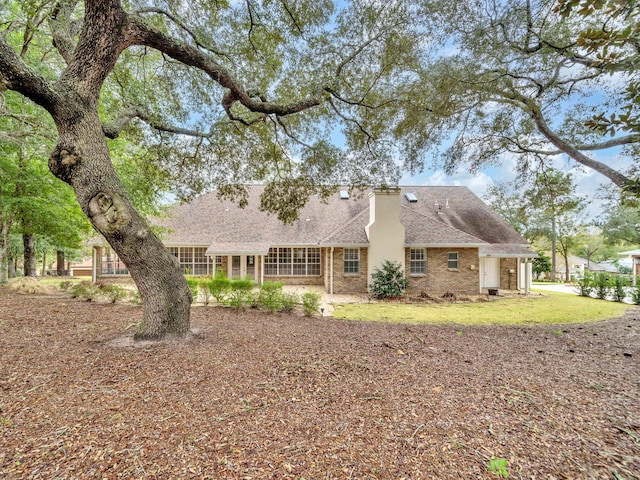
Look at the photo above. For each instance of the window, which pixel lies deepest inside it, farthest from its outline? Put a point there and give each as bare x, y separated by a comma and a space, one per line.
193, 260
418, 261
313, 261
452, 260
271, 262
111, 264
200, 261
284, 261
297, 262
352, 260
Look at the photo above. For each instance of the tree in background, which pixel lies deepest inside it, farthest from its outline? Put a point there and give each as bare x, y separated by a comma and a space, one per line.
507, 200
541, 264
548, 209
554, 212
620, 222
516, 81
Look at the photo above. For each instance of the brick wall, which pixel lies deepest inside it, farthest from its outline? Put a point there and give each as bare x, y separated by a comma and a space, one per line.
440, 279
508, 281
349, 283
296, 280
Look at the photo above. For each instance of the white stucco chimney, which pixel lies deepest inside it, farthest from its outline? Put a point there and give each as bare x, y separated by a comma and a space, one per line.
385, 232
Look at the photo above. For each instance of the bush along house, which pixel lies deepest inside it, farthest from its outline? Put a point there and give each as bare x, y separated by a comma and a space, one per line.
446, 238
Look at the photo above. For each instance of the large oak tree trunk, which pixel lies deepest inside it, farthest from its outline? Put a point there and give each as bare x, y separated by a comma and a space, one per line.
82, 160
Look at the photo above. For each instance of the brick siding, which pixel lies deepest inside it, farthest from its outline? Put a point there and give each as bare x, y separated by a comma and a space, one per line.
440, 279
349, 283
509, 281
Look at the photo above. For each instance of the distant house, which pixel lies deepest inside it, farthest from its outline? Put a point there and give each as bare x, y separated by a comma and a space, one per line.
578, 266
447, 239
633, 260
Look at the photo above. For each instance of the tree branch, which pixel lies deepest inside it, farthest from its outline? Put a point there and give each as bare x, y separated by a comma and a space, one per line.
181, 25
191, 56
114, 128
616, 177
18, 76
63, 29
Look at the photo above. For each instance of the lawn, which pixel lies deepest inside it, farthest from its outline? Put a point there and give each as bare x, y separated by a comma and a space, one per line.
551, 308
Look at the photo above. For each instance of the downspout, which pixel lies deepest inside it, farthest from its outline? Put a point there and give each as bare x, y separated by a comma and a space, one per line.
94, 265
331, 273
261, 269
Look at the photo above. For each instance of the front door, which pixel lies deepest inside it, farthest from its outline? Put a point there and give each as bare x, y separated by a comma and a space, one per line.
491, 273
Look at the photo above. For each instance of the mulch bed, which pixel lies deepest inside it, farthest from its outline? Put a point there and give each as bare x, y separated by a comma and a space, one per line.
259, 396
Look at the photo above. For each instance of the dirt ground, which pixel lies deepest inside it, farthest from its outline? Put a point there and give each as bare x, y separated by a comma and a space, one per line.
260, 396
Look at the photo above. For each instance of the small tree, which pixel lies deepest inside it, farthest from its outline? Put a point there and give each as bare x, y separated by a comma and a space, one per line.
586, 285
602, 284
618, 284
541, 265
388, 281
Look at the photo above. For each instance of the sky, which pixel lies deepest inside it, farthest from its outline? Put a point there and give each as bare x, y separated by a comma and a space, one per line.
588, 182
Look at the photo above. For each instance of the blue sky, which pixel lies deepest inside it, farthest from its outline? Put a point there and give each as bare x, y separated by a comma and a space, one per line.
588, 182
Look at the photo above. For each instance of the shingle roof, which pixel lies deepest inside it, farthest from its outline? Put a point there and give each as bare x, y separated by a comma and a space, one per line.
464, 219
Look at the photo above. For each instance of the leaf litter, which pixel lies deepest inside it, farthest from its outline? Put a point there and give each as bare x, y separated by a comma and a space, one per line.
256, 396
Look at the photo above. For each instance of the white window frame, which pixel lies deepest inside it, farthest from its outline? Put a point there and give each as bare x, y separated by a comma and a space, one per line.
292, 262
417, 261
351, 261
193, 260
111, 264
451, 261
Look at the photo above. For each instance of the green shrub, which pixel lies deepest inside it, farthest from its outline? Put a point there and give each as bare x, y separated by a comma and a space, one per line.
289, 302
619, 283
194, 286
84, 291
241, 293
388, 281
311, 302
219, 286
635, 295
586, 285
136, 299
602, 284
113, 292
270, 296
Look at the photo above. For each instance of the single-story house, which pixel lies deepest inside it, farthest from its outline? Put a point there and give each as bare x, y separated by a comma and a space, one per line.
579, 265
446, 238
633, 259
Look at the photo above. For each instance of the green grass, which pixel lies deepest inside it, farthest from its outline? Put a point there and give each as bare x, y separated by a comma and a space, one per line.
553, 308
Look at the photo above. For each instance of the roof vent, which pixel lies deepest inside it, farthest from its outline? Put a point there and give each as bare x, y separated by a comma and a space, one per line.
411, 197
344, 195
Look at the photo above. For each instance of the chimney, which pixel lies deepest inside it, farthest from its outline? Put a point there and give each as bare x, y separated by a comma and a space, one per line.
385, 231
